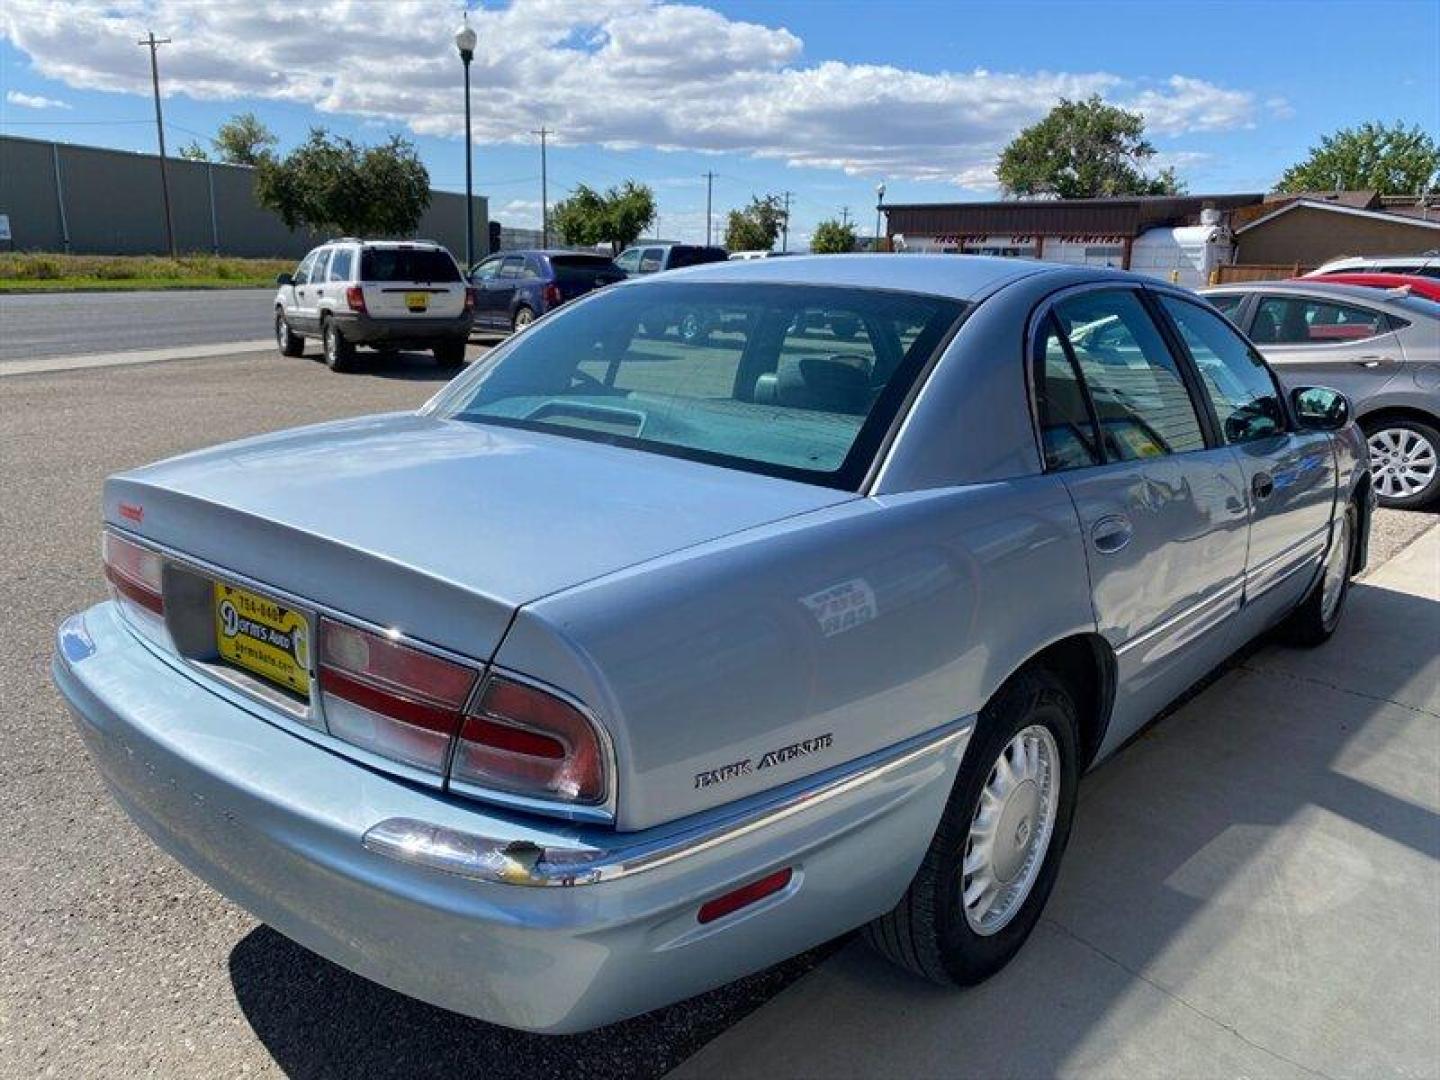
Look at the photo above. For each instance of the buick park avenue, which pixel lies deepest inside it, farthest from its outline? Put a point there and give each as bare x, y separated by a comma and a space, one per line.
631, 663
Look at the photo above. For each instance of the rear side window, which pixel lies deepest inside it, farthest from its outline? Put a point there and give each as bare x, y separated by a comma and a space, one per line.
1235, 377
340, 264
1296, 320
1134, 383
1066, 427
407, 264
694, 256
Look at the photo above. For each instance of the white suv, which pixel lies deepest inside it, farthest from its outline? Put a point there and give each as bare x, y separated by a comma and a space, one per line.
1422, 265
387, 294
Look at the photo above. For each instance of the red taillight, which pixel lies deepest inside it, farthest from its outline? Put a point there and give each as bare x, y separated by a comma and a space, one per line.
552, 295
471, 298
355, 299
744, 896
388, 698
528, 741
135, 573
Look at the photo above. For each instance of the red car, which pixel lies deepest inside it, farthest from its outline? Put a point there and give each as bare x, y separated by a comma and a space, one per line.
1429, 288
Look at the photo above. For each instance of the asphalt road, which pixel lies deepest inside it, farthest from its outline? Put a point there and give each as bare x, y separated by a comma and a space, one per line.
115, 961
81, 323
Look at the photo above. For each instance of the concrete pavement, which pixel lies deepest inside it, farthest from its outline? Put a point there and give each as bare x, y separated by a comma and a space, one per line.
1252, 888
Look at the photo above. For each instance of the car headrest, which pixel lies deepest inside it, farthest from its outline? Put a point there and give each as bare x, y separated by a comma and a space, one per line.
838, 383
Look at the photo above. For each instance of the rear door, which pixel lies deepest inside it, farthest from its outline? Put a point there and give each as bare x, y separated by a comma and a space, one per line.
1161, 503
1314, 341
1290, 476
411, 282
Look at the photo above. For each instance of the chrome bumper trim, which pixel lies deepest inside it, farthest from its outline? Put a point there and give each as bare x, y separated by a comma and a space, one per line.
508, 862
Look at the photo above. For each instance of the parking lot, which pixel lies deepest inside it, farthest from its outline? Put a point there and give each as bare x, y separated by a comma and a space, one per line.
1252, 887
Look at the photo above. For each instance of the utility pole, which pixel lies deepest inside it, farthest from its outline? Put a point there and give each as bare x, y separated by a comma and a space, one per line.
845, 216
709, 186
785, 225
155, 44
544, 132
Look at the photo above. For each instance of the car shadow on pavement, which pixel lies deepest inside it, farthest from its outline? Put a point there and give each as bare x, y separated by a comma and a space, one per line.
317, 1019
1248, 890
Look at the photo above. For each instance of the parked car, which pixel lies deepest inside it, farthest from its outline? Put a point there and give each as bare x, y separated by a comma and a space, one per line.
765, 254
514, 288
385, 294
1427, 265
657, 258
616, 671
1429, 288
1381, 349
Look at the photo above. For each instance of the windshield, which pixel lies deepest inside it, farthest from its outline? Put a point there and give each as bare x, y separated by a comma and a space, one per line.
788, 380
407, 264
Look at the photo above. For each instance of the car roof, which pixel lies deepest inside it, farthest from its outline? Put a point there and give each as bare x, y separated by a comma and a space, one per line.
961, 277
1308, 287
548, 252
431, 244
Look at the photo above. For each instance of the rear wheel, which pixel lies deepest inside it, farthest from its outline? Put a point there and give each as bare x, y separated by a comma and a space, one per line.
522, 318
289, 342
1319, 613
449, 354
339, 353
1404, 462
994, 858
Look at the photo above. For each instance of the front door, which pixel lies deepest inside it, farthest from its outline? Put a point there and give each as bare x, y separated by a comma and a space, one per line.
1290, 476
295, 296
1346, 346
1163, 508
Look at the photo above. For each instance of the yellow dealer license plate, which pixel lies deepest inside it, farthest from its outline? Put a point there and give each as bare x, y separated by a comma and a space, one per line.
260, 636
417, 301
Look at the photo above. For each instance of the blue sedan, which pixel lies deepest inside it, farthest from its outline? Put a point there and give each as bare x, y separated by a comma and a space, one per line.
634, 662
514, 288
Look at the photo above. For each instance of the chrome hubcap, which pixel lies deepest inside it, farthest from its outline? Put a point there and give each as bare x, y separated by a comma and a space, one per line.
1403, 463
1337, 564
1011, 830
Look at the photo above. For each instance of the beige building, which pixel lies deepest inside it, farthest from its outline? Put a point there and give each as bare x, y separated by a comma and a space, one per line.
1308, 231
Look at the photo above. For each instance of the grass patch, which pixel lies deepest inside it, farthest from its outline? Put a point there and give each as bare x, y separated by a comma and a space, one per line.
38, 270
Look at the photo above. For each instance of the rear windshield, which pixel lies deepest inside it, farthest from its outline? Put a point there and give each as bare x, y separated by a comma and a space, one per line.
407, 264
584, 268
694, 256
789, 380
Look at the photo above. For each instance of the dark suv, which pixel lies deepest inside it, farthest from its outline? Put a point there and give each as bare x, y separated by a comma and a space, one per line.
654, 258
514, 288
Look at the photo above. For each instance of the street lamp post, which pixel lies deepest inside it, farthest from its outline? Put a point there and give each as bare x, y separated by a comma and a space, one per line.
465, 42
879, 206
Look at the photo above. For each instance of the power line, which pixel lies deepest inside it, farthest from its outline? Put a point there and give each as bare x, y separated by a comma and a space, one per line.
154, 43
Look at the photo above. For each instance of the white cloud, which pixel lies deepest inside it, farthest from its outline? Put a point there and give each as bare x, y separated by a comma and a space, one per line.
618, 73
33, 101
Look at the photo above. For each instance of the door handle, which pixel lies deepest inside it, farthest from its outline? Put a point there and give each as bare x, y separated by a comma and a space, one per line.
1263, 485
1112, 533
1375, 360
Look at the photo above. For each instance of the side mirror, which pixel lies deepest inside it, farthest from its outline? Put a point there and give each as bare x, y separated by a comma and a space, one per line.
1318, 408
284, 279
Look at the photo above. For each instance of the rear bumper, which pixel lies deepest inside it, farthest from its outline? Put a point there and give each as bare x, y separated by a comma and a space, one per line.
419, 330
278, 825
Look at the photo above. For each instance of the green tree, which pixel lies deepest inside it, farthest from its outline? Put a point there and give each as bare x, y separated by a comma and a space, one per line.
1083, 150
832, 237
616, 216
1390, 159
757, 226
331, 183
244, 140
193, 151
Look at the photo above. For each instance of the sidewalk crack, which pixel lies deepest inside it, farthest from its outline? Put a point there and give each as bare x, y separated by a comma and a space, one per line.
1073, 936
1339, 689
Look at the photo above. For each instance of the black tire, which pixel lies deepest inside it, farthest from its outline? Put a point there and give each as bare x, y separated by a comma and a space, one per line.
290, 343
928, 932
449, 354
522, 318
1315, 620
339, 353
1422, 438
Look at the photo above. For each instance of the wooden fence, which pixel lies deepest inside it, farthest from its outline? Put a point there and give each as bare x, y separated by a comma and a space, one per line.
1228, 275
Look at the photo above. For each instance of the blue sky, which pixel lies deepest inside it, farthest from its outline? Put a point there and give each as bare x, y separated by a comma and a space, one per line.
821, 98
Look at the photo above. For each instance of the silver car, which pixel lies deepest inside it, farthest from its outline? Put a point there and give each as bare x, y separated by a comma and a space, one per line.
631, 664
1380, 348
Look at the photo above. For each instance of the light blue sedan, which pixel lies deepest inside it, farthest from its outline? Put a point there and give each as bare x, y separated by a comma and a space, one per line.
636, 661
